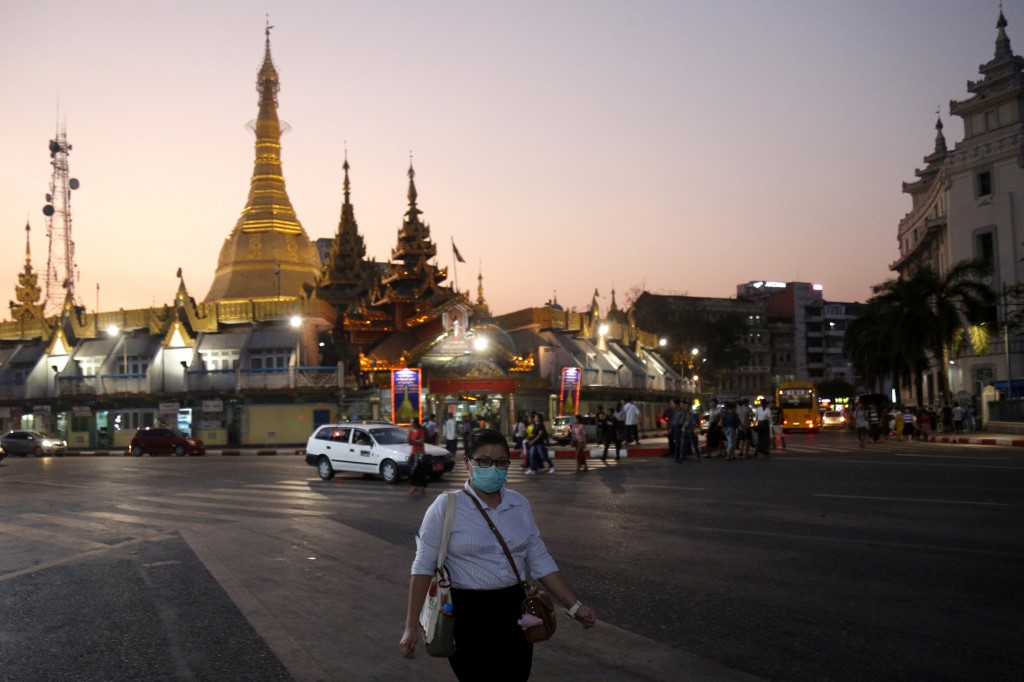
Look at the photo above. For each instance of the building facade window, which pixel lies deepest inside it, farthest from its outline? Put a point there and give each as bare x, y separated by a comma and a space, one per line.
270, 358
219, 360
89, 367
982, 183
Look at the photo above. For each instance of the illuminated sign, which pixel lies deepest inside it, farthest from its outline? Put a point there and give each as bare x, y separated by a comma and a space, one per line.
406, 388
569, 396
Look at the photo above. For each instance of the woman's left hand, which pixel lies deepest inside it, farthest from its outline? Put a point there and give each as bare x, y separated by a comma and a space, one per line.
586, 617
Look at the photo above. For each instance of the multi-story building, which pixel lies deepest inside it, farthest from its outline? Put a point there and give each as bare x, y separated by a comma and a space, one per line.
805, 331
723, 340
968, 203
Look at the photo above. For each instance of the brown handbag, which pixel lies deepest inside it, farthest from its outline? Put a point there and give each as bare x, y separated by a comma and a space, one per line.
538, 602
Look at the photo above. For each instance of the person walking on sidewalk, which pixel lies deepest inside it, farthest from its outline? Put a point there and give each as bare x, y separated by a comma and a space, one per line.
675, 429
631, 419
958, 418
539, 447
763, 415
486, 594
417, 459
874, 423
451, 434
691, 430
777, 430
860, 422
579, 442
730, 428
609, 428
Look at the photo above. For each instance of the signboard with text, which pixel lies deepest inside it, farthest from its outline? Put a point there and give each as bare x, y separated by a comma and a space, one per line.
406, 389
569, 395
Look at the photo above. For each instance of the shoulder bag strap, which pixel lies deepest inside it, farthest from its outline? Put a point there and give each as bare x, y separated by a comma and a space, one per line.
497, 534
449, 518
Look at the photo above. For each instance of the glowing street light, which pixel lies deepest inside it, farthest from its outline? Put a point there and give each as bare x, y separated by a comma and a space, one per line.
114, 331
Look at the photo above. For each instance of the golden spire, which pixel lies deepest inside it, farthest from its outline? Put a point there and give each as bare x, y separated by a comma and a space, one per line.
28, 291
268, 251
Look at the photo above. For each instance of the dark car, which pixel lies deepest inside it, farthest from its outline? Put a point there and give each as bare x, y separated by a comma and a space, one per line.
26, 442
160, 440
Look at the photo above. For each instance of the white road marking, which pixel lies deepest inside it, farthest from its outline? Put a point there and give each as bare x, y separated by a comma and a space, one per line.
265, 509
50, 537
915, 499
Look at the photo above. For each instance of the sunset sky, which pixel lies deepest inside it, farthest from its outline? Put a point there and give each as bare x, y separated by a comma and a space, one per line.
682, 146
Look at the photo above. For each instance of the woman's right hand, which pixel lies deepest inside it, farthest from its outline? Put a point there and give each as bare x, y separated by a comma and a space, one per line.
408, 643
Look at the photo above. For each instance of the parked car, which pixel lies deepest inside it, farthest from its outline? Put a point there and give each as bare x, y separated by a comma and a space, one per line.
833, 418
380, 449
160, 440
3, 453
561, 428
32, 443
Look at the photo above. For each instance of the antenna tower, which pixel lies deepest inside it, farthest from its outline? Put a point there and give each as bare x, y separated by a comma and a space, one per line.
60, 263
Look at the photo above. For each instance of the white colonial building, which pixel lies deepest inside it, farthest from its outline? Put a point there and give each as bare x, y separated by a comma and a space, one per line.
968, 203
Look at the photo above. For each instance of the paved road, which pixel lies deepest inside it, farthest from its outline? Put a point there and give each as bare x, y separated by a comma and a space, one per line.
898, 561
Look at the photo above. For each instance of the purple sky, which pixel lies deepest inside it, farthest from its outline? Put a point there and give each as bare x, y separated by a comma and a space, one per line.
684, 147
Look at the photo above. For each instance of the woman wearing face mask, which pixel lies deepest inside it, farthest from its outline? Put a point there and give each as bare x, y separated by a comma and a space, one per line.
485, 593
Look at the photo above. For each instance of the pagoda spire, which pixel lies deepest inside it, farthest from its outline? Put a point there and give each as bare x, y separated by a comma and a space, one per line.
28, 291
348, 277
412, 194
1002, 40
940, 139
412, 278
268, 251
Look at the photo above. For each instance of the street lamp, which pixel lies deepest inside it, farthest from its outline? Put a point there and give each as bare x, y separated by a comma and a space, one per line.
114, 331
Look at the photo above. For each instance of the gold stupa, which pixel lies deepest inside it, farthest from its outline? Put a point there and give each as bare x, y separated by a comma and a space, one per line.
268, 254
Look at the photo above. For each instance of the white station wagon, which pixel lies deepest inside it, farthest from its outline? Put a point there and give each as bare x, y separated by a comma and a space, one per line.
381, 449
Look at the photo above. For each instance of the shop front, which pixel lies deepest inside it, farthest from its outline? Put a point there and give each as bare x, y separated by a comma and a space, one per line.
489, 403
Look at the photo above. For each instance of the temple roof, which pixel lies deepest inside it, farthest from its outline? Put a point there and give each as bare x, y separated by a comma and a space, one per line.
268, 253
348, 277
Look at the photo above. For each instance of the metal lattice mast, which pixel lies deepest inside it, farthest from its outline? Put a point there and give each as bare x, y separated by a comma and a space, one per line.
60, 263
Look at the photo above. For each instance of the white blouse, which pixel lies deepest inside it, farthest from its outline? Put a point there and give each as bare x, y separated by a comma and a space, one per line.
475, 558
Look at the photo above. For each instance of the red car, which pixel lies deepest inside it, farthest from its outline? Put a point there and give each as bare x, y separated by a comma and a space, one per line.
160, 440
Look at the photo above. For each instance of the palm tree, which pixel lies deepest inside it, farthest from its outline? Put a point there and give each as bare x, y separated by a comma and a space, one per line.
911, 321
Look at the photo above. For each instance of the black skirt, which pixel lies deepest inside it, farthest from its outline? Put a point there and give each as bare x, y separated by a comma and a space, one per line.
489, 643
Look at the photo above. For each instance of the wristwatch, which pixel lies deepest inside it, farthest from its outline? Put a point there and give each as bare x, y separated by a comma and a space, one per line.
575, 607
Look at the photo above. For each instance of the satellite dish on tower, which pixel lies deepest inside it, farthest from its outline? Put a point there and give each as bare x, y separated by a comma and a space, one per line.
73, 183
48, 210
49, 198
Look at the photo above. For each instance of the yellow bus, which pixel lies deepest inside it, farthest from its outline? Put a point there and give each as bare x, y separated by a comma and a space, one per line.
798, 401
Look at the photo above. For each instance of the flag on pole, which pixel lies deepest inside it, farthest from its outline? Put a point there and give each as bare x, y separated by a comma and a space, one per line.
455, 250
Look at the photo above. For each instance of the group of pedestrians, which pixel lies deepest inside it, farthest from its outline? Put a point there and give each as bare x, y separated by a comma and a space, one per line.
683, 421
737, 430
531, 440
873, 423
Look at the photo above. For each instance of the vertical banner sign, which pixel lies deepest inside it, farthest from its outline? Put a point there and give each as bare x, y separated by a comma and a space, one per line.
569, 397
406, 387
